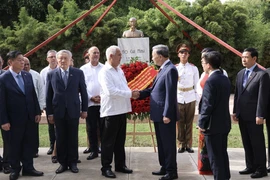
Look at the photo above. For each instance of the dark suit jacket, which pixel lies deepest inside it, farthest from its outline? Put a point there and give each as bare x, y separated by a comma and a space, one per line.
2, 71
16, 108
251, 102
163, 94
214, 105
268, 107
59, 99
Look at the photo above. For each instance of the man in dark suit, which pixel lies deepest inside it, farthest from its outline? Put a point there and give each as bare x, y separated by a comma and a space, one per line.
164, 112
4, 164
215, 120
250, 105
19, 113
268, 125
64, 108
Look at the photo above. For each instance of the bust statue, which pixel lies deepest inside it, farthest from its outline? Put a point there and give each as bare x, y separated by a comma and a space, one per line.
132, 32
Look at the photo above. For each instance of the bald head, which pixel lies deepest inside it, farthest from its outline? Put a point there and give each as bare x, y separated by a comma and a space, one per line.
94, 55
1, 62
27, 65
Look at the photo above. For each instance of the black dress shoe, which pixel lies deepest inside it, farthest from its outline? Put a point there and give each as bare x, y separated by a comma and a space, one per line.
268, 169
124, 170
247, 171
6, 169
190, 150
14, 176
35, 155
79, 161
169, 176
108, 173
258, 174
86, 151
32, 172
50, 151
159, 173
92, 155
181, 150
73, 168
62, 168
54, 159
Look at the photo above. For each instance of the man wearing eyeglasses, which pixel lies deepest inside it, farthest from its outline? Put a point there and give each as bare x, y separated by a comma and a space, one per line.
51, 58
188, 77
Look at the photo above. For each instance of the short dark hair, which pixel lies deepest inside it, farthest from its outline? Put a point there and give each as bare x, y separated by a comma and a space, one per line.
13, 54
253, 52
214, 58
162, 50
207, 49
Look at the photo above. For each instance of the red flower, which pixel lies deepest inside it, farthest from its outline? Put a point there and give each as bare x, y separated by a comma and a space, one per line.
140, 108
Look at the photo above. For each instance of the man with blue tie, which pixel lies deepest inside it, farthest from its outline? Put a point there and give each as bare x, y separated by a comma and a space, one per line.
64, 108
250, 110
19, 113
164, 111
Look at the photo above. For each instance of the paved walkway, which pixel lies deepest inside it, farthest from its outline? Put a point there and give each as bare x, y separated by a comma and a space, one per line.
142, 160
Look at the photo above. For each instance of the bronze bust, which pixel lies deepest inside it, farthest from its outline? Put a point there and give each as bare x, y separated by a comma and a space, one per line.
132, 32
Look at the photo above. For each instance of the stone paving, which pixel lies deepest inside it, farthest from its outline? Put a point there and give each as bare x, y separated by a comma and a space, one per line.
143, 160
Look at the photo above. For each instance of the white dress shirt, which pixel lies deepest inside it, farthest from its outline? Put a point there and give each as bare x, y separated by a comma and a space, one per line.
91, 80
43, 73
188, 77
114, 91
39, 88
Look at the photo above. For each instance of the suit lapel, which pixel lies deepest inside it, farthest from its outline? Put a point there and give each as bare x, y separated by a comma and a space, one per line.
13, 82
59, 76
161, 72
70, 75
251, 77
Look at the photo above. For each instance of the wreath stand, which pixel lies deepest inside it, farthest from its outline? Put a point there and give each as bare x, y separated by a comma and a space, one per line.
134, 133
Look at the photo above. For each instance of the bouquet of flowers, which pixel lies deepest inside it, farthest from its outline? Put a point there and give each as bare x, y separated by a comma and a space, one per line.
139, 76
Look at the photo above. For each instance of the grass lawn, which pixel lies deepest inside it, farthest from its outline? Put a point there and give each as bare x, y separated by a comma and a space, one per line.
234, 139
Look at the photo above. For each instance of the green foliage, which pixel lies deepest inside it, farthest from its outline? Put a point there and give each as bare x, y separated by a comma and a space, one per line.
239, 23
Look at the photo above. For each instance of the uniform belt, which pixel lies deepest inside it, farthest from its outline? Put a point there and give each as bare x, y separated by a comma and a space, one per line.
185, 89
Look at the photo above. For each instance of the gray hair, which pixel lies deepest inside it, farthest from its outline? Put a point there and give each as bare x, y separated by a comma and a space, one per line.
162, 50
111, 50
62, 52
132, 18
51, 51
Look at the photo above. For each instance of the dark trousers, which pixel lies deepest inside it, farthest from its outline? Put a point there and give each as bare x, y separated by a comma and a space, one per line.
93, 123
254, 145
21, 146
5, 138
166, 143
67, 139
268, 134
218, 156
36, 132
113, 141
51, 133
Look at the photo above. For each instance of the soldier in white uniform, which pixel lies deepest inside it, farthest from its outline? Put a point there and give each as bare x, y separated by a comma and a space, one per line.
188, 76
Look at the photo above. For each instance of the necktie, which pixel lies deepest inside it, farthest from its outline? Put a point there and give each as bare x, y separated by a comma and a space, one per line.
20, 82
245, 78
65, 78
